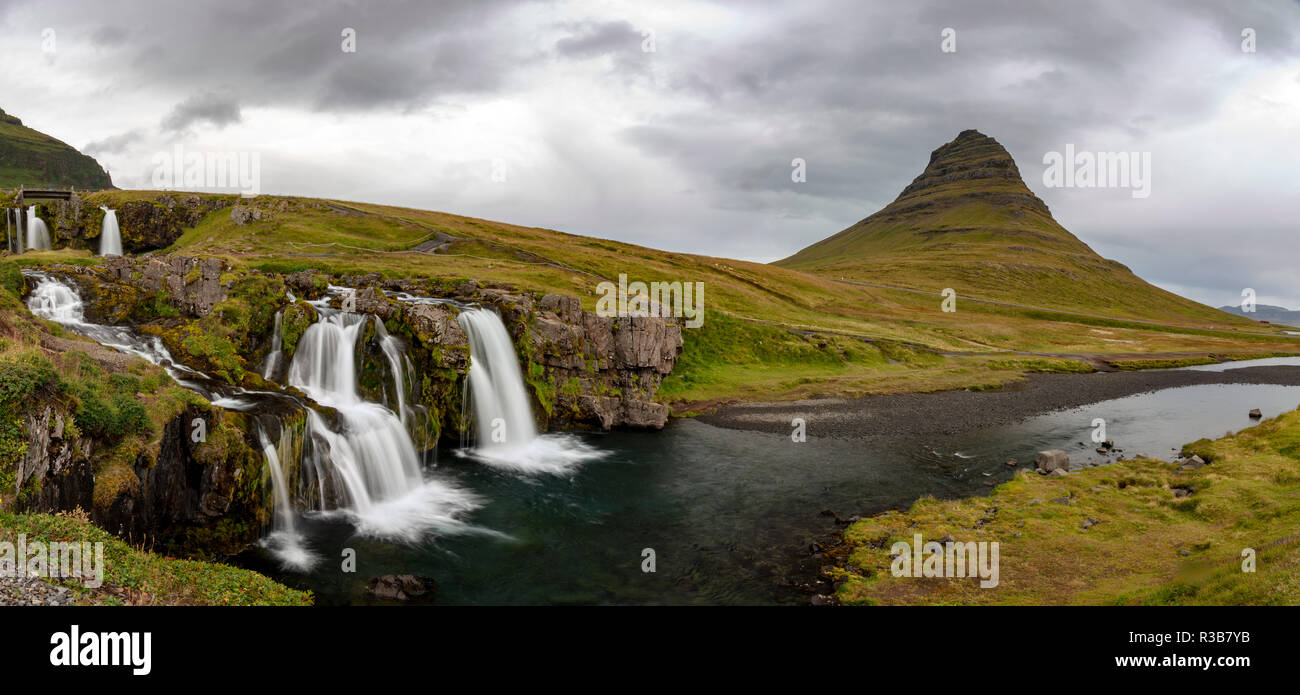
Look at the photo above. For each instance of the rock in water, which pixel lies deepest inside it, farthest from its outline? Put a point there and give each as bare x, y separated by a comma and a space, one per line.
402, 587
1051, 460
1256, 414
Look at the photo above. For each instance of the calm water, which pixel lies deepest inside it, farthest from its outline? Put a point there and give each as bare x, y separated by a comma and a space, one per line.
728, 512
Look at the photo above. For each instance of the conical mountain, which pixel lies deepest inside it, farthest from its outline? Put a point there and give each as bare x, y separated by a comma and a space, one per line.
970, 223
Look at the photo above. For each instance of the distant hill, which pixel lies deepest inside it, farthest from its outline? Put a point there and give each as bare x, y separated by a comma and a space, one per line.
1266, 312
970, 223
33, 159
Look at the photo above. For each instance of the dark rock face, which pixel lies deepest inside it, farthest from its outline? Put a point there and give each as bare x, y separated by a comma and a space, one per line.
146, 225
606, 370
193, 284
197, 498
55, 464
190, 485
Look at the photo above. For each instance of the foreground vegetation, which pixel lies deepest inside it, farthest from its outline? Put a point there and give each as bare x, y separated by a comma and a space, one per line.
136, 577
1138, 532
123, 404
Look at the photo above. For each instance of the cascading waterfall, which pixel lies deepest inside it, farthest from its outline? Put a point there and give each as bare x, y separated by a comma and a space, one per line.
53, 300
507, 435
372, 457
110, 237
38, 235
365, 463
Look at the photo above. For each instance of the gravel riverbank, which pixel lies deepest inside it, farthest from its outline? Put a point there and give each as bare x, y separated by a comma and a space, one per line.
948, 412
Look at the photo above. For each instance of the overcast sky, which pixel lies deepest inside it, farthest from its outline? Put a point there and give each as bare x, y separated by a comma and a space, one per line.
689, 146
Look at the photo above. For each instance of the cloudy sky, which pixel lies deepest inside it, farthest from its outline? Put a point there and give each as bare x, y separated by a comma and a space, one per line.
674, 123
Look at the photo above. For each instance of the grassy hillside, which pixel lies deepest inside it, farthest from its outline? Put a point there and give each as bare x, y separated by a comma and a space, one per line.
969, 222
33, 159
770, 332
1070, 540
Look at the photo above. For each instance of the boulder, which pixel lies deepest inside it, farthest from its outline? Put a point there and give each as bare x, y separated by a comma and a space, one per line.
1051, 460
402, 587
1256, 414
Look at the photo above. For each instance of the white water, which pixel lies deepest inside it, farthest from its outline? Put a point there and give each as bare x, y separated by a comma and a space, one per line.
110, 237
507, 435
38, 235
276, 354
284, 541
52, 299
372, 458
392, 349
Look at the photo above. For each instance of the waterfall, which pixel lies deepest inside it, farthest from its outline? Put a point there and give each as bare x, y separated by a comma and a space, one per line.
392, 349
276, 354
56, 301
110, 237
371, 457
16, 240
38, 235
284, 541
496, 385
363, 460
507, 436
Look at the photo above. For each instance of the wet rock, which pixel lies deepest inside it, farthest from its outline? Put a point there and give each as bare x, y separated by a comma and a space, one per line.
402, 587
1256, 414
1010, 463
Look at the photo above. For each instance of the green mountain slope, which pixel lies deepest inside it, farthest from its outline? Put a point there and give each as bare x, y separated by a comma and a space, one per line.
33, 159
970, 223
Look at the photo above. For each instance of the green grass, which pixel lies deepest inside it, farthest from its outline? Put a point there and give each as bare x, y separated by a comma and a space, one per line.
1152, 546
147, 578
788, 310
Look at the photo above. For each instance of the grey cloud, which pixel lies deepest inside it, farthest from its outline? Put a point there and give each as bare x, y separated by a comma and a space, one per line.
113, 144
215, 109
109, 35
600, 38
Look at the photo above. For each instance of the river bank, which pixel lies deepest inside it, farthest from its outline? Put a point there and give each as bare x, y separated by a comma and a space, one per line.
949, 412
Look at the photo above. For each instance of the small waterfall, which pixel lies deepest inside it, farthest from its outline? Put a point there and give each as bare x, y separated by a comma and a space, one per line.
503, 418
284, 541
16, 238
38, 235
392, 349
110, 237
58, 302
276, 355
496, 385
